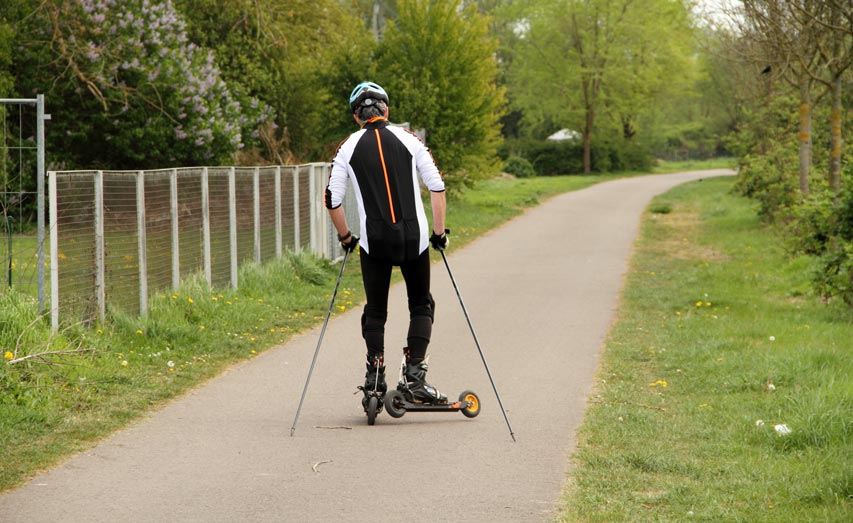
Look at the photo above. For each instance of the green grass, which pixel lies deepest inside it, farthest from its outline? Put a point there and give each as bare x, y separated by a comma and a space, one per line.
718, 340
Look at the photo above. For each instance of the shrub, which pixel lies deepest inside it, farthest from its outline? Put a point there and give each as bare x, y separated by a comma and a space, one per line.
520, 167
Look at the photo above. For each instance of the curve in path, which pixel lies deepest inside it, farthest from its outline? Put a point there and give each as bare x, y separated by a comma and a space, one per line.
542, 292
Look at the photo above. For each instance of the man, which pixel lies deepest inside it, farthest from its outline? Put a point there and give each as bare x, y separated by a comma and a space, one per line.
383, 163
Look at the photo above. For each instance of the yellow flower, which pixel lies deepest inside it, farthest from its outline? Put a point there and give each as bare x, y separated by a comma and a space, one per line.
9, 355
124, 363
699, 303
662, 383
190, 300
678, 313
254, 351
139, 331
100, 331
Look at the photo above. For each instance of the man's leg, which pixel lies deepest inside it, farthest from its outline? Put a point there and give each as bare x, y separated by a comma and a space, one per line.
421, 316
376, 276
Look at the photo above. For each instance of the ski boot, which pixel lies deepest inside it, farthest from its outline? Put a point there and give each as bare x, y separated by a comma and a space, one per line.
413, 385
374, 389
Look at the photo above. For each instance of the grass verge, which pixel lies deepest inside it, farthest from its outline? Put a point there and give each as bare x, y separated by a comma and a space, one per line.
61, 393
725, 391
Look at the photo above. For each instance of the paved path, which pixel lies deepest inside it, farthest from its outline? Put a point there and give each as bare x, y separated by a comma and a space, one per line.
542, 292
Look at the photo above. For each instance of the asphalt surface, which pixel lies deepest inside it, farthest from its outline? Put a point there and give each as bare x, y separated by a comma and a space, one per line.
542, 292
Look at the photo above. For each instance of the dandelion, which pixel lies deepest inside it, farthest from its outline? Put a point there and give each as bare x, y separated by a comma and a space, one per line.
759, 423
662, 383
699, 303
139, 331
9, 355
254, 351
771, 387
124, 363
772, 338
678, 313
100, 331
170, 364
707, 304
190, 300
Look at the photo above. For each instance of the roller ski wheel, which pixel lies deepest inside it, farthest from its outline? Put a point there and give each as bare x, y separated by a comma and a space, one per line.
397, 403
372, 402
471, 404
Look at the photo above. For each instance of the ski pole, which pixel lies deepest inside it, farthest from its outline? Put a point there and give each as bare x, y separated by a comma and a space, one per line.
319, 341
477, 342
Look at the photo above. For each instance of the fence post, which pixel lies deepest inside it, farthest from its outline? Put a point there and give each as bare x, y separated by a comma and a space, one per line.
256, 198
232, 223
205, 226
100, 269
54, 253
297, 245
142, 242
278, 211
173, 209
40, 118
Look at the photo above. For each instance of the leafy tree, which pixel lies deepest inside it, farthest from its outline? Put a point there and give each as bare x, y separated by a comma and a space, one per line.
438, 64
580, 61
299, 57
127, 89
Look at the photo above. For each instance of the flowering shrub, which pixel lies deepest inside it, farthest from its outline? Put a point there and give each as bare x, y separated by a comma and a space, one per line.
163, 96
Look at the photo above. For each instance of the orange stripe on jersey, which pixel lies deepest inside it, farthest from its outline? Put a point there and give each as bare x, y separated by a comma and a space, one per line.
385, 172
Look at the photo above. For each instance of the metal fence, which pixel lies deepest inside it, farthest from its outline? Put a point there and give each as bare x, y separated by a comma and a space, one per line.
22, 165
116, 236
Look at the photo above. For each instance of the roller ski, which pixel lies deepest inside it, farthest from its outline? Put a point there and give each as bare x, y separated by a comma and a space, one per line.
374, 389
413, 393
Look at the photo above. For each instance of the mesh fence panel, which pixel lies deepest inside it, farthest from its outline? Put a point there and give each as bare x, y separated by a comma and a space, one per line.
220, 243
288, 204
158, 231
190, 240
74, 221
304, 205
121, 242
245, 195
266, 199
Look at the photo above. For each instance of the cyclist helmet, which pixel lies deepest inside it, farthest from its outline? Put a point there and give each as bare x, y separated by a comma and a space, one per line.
366, 91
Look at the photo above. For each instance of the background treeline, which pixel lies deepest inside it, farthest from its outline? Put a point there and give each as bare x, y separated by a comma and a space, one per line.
141, 84
135, 84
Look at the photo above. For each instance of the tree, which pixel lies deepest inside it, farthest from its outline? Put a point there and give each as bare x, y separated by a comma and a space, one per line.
299, 57
127, 89
438, 65
580, 60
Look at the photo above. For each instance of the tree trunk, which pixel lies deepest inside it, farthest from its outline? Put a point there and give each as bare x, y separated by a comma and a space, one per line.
587, 140
835, 124
805, 133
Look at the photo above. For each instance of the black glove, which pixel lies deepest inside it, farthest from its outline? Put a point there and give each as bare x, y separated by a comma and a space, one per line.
348, 242
439, 242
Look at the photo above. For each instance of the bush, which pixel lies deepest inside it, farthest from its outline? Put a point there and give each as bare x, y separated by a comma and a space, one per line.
551, 158
520, 167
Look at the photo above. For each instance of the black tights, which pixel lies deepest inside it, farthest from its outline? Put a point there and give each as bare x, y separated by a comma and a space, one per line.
376, 274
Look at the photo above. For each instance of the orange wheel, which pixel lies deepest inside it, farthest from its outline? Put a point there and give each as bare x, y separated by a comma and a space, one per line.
472, 402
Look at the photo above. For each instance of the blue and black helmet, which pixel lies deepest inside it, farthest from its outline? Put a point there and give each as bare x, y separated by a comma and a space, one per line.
366, 91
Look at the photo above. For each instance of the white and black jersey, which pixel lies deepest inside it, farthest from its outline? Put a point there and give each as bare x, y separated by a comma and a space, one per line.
383, 163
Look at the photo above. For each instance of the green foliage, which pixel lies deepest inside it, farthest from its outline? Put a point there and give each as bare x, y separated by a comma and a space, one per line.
437, 63
519, 167
604, 68
300, 57
551, 158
